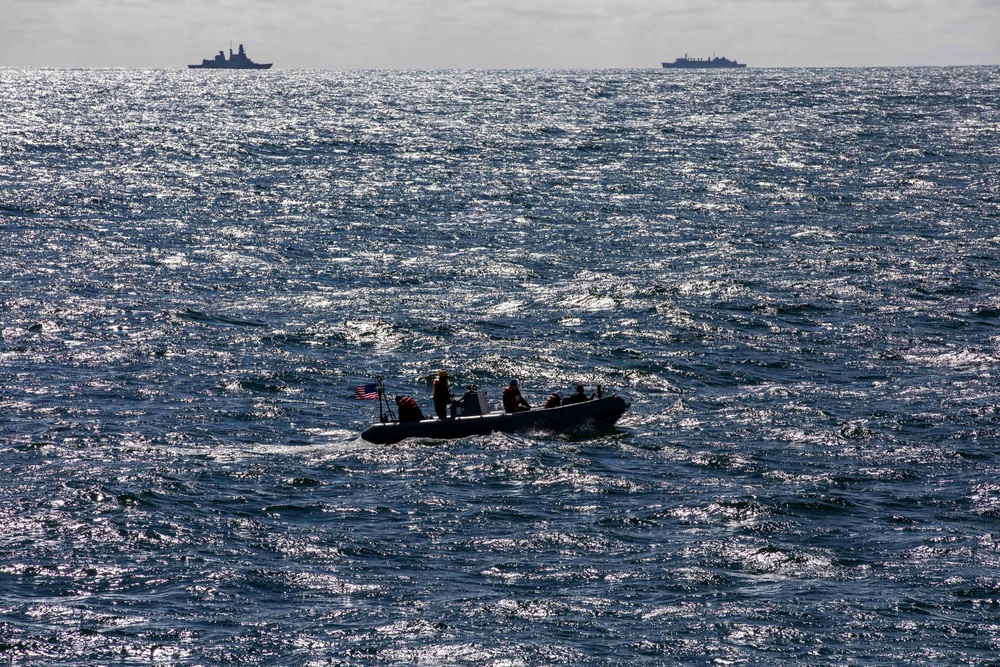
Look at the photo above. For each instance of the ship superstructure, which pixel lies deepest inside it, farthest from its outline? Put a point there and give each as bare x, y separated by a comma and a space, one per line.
239, 60
715, 62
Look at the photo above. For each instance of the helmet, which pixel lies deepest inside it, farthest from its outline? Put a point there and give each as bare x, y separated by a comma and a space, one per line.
513, 382
399, 398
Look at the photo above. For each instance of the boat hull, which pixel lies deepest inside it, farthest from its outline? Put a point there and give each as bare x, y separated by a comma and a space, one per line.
598, 412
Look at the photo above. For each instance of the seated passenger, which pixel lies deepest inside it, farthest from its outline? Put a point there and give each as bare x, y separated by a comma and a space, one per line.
554, 401
409, 411
512, 399
578, 396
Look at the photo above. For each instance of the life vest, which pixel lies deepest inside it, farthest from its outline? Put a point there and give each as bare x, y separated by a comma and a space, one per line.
409, 411
512, 399
442, 393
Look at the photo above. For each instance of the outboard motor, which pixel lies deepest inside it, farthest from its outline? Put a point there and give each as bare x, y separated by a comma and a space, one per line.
474, 402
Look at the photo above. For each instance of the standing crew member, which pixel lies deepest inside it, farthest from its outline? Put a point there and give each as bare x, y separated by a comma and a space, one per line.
512, 399
442, 395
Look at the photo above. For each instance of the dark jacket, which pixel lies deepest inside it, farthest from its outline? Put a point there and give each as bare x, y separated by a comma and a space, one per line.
577, 397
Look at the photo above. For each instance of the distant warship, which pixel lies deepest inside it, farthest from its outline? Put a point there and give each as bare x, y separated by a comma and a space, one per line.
703, 63
237, 61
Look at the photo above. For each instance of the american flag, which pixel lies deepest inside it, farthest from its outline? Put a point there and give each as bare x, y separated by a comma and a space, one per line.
366, 392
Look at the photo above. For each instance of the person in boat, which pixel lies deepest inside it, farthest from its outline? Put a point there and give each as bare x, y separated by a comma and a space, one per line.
553, 401
408, 409
579, 396
443, 397
512, 399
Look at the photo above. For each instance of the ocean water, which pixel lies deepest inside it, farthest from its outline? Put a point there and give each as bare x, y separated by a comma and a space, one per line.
793, 273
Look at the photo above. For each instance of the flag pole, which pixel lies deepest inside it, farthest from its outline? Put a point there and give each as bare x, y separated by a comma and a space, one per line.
386, 414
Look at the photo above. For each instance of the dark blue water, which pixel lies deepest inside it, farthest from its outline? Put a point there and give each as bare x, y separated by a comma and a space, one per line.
793, 273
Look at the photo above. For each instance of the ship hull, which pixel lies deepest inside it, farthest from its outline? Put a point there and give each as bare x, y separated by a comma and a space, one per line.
227, 66
703, 65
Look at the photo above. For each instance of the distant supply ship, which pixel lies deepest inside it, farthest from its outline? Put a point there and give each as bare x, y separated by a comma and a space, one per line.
238, 61
703, 63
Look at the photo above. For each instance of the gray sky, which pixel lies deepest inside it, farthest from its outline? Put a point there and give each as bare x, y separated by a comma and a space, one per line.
431, 34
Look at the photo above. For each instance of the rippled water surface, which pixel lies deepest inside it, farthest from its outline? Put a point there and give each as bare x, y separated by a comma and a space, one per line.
793, 273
